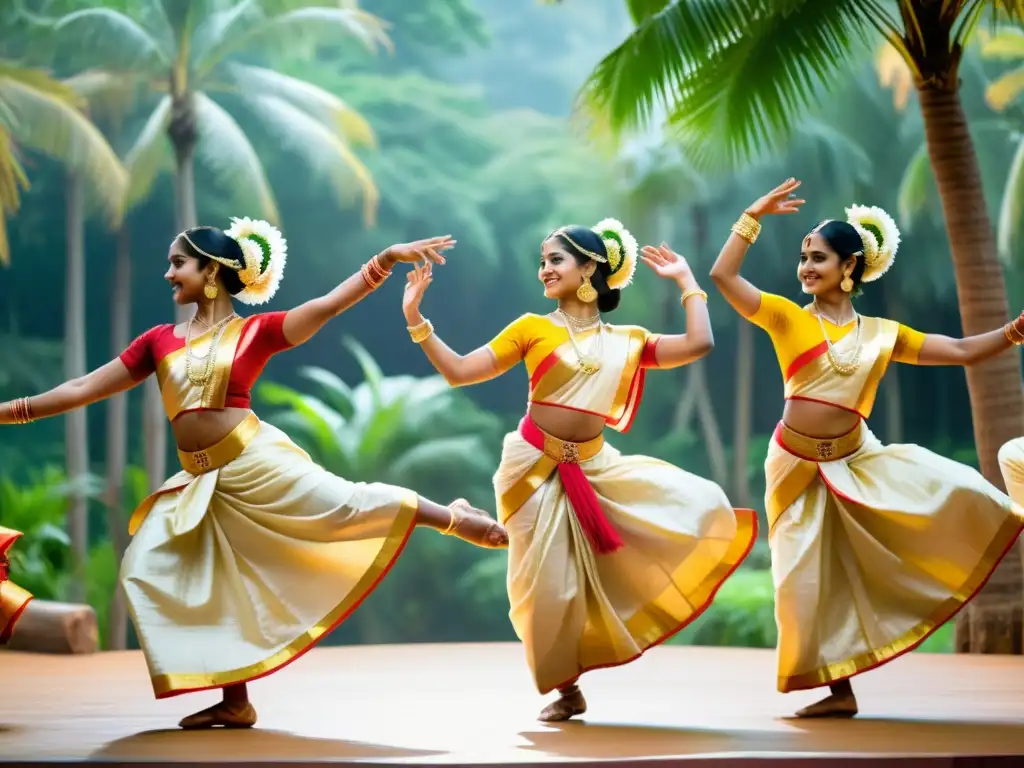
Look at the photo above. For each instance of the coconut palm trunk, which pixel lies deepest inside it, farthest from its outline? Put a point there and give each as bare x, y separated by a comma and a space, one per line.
117, 434
76, 437
992, 622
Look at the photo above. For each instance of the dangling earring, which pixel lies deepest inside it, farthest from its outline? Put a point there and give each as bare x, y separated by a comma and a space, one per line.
847, 284
210, 289
586, 292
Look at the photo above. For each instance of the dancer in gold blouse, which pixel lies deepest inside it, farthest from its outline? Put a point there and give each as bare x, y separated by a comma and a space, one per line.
608, 554
874, 546
252, 553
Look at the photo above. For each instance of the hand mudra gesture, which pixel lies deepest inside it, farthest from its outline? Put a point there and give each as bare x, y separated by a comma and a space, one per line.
665, 262
416, 284
427, 251
780, 200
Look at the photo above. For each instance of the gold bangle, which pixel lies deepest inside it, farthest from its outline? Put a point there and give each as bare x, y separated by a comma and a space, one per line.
21, 410
688, 294
1017, 340
422, 332
370, 278
747, 227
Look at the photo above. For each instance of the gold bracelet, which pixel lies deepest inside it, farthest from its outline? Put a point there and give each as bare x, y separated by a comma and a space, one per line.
688, 294
1018, 339
747, 227
420, 333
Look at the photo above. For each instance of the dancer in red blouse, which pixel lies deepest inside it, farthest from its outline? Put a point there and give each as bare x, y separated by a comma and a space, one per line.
219, 572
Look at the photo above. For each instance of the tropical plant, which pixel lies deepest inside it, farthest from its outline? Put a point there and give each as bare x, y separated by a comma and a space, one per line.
414, 432
736, 76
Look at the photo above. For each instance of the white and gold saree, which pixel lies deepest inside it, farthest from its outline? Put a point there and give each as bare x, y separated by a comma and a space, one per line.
609, 554
252, 553
874, 546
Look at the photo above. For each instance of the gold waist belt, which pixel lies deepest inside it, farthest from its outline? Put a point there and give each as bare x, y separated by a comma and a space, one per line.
562, 451
224, 451
819, 449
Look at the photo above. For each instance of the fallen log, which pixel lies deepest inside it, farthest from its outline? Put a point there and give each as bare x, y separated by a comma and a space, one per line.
51, 627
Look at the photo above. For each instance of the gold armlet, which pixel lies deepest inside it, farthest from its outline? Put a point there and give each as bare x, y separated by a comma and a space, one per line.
747, 227
21, 410
690, 294
422, 332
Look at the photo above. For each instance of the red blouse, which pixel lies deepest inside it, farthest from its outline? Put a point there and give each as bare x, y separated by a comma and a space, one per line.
262, 337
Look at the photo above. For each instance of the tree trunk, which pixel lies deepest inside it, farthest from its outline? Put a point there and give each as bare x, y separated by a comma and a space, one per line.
744, 413
76, 436
183, 135
117, 435
992, 621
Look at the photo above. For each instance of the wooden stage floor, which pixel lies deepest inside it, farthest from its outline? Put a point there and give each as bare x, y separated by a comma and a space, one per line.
475, 705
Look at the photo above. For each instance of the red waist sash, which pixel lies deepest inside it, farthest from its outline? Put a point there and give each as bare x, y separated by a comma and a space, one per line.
582, 497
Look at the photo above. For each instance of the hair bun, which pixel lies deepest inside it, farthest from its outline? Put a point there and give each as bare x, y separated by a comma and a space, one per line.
265, 252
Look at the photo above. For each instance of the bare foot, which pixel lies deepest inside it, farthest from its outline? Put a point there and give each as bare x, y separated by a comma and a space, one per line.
833, 705
225, 714
475, 526
569, 704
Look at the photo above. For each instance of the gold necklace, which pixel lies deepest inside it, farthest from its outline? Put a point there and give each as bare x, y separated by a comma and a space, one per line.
210, 356
588, 364
847, 366
584, 324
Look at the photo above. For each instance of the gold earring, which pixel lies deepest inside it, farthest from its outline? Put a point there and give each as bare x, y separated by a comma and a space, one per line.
586, 292
847, 284
211, 290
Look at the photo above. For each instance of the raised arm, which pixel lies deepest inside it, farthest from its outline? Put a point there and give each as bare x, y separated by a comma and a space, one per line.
970, 350
679, 349
98, 385
303, 322
741, 294
458, 370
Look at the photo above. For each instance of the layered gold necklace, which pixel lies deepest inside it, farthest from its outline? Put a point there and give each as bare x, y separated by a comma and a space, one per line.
844, 365
217, 329
588, 364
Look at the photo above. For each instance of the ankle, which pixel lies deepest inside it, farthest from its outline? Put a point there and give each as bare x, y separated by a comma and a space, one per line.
236, 694
841, 688
569, 690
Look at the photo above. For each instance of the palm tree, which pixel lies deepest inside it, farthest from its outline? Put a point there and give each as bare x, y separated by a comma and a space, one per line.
737, 75
40, 113
183, 53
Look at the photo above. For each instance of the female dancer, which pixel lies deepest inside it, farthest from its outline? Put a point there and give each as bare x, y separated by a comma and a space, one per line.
609, 554
874, 547
13, 599
219, 574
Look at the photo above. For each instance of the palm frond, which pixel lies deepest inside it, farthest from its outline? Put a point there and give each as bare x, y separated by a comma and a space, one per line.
303, 25
1006, 43
225, 149
151, 154
1011, 208
917, 188
109, 94
220, 26
323, 150
310, 98
337, 394
12, 177
126, 45
1001, 92
47, 120
735, 83
372, 373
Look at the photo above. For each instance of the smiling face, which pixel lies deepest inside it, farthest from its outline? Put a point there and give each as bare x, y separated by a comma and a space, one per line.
559, 272
821, 269
187, 279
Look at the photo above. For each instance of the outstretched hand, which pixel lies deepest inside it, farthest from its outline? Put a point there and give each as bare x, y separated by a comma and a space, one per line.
667, 263
417, 282
780, 200
427, 251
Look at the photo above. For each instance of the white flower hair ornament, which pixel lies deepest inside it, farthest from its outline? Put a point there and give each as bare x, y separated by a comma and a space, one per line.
265, 252
880, 236
622, 251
